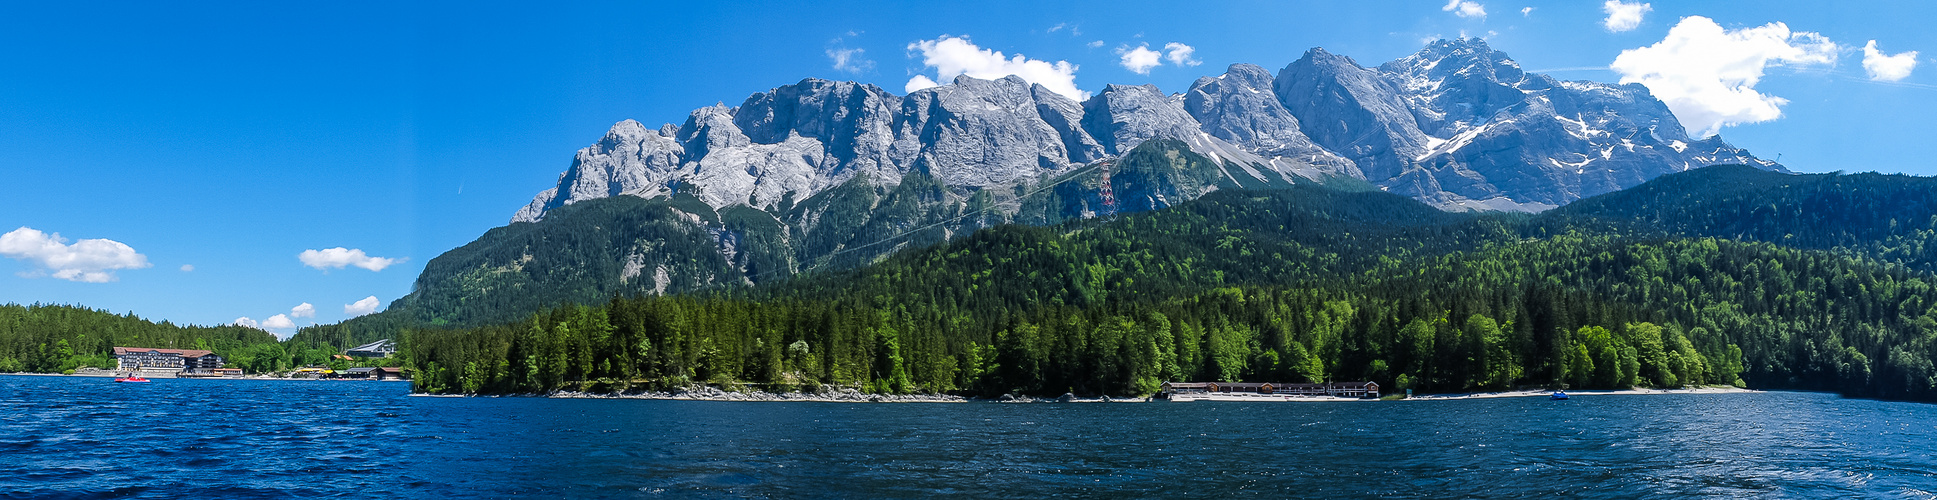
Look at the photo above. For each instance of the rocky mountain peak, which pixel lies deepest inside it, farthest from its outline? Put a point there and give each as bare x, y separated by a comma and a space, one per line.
627, 130
1353, 111
1240, 106
710, 129
1464, 58
1318, 56
1122, 116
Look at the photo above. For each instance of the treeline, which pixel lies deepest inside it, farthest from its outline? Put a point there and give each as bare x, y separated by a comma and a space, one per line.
58, 338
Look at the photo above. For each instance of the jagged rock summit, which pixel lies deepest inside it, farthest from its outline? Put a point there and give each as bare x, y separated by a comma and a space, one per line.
1457, 125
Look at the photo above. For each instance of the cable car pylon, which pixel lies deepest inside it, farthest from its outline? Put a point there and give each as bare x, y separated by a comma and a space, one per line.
1109, 196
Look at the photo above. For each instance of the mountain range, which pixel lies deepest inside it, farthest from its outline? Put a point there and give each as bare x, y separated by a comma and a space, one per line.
1455, 125
829, 175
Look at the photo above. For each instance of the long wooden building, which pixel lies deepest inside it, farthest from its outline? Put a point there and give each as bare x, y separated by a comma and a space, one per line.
180, 360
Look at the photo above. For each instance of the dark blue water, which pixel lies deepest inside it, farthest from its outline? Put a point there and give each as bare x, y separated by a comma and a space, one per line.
85, 437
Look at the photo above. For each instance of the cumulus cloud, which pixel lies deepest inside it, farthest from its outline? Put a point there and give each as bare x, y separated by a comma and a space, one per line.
1465, 8
339, 257
1622, 16
366, 306
303, 310
850, 60
1526, 12
188, 268
278, 322
1887, 68
1180, 54
953, 56
1140, 59
86, 261
1707, 74
245, 321
1095, 44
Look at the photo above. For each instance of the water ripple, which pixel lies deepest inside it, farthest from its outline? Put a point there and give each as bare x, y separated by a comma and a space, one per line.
89, 438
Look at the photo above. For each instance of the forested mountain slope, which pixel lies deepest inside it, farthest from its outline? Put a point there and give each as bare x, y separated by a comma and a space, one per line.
1299, 284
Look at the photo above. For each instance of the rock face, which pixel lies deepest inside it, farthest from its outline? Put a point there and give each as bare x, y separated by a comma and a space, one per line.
1241, 107
1457, 124
1460, 125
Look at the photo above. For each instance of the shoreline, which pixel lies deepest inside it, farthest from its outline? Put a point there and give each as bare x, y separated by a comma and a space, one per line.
1718, 389
708, 393
245, 377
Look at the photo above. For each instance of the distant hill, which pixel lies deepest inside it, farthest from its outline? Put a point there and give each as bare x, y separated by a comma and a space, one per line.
1891, 218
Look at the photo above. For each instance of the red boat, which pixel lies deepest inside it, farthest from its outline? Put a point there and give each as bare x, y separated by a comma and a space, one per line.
130, 378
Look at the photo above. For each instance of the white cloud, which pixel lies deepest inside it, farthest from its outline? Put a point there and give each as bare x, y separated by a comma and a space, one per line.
1887, 68
1465, 8
1623, 16
850, 60
1180, 54
1707, 74
1095, 44
361, 307
954, 56
87, 261
337, 258
919, 82
303, 310
245, 321
1140, 59
1058, 27
188, 268
278, 322
1526, 12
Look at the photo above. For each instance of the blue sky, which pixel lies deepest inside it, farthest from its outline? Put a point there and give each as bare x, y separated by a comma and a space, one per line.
233, 138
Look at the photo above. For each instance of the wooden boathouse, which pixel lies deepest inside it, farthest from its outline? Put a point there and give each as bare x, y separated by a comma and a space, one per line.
1333, 389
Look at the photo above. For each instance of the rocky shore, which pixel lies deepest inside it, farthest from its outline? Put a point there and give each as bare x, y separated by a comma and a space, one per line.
709, 393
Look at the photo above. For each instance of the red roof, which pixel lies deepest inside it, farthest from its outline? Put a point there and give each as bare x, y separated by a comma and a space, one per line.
186, 353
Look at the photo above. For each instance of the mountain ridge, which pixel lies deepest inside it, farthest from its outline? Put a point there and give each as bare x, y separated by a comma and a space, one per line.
1405, 125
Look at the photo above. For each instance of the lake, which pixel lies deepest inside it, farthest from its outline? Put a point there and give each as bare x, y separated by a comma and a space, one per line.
72, 437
